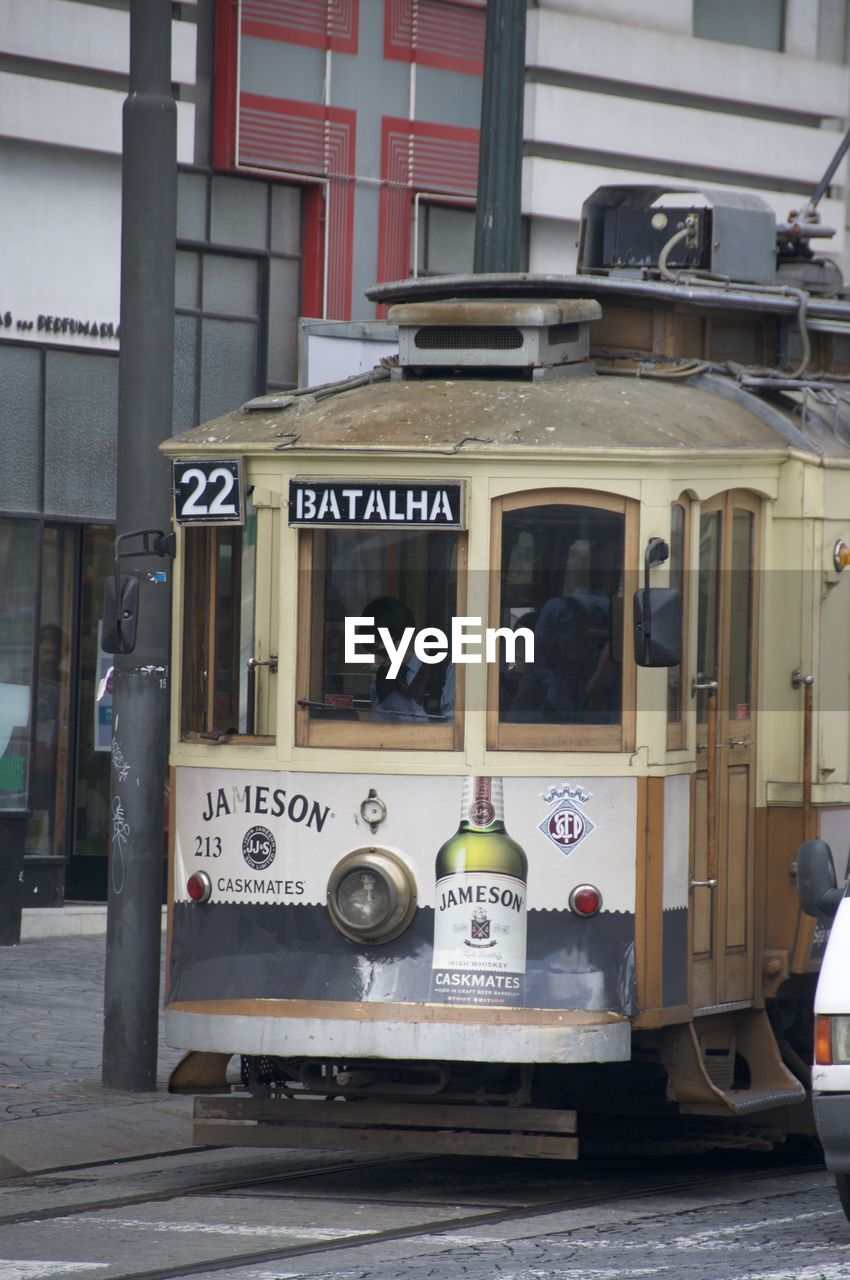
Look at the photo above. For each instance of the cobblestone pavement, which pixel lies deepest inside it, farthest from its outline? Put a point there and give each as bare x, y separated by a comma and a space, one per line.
51, 1020
51, 1038
765, 1232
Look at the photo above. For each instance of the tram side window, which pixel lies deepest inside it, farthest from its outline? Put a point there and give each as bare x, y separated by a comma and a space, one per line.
398, 580
221, 692
561, 576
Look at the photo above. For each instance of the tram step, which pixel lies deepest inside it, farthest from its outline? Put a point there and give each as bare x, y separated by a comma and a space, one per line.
427, 1129
701, 1074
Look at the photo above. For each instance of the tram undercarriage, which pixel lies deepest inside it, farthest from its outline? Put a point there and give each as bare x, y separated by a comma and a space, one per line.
690, 1088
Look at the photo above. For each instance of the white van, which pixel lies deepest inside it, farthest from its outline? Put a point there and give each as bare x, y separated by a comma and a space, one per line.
820, 896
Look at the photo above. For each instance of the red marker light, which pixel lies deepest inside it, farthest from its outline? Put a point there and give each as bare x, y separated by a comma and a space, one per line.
585, 900
199, 886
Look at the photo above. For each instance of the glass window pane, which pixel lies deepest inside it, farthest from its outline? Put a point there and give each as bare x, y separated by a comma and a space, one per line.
562, 569
446, 239
284, 306
757, 23
228, 366
230, 285
400, 580
191, 206
87, 874
20, 415
194, 688
219, 566
286, 220
708, 593
187, 280
81, 423
677, 582
47, 822
19, 550
239, 213
226, 592
740, 614
186, 330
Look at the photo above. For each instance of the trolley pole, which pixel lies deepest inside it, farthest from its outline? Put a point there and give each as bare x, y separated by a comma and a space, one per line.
140, 689
499, 203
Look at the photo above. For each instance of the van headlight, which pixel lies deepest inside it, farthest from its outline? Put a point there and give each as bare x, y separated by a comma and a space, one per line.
371, 895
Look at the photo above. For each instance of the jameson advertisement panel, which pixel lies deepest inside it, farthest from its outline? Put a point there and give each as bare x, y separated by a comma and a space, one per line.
491, 866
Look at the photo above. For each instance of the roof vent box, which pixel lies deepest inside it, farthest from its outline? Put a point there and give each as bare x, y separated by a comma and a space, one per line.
733, 232
487, 334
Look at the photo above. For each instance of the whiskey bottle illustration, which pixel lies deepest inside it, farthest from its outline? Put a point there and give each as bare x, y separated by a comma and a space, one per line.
480, 907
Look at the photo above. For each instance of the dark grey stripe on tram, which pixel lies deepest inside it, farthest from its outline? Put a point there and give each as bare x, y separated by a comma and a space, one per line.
235, 951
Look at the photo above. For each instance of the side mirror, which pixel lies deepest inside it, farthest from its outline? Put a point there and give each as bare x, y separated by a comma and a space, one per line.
120, 614
658, 627
657, 615
817, 888
121, 594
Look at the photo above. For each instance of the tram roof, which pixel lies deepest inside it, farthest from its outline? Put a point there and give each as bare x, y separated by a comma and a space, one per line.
446, 415
614, 286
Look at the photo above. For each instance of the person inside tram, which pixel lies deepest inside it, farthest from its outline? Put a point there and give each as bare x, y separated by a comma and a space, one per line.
403, 699
395, 699
575, 677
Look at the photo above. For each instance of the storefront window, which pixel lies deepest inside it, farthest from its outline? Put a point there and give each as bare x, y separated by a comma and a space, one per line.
19, 550
87, 873
49, 783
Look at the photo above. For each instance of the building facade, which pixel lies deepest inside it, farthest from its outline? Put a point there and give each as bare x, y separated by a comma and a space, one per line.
323, 145
715, 93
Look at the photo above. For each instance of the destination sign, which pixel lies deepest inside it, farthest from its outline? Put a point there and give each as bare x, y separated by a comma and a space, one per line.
340, 503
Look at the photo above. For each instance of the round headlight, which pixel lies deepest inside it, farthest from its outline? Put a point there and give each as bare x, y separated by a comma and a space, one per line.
371, 896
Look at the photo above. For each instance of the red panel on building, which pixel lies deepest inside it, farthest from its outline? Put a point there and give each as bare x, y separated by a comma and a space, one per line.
322, 24
418, 156
302, 138
437, 33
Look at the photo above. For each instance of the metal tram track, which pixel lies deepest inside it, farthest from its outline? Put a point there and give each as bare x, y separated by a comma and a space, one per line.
436, 1226
171, 1193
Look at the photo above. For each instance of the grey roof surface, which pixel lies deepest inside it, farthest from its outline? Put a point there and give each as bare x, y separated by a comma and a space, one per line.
578, 413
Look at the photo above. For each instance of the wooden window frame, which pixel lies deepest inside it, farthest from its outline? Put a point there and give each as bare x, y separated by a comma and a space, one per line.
563, 737
677, 738
203, 650
363, 735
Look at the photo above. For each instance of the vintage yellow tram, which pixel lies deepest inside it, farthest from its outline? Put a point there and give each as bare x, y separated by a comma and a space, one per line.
541, 451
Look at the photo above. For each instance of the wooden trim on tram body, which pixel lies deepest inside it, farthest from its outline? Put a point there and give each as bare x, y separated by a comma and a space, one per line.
395, 1011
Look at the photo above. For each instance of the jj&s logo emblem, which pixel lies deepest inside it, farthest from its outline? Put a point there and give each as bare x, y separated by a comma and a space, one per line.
259, 848
567, 824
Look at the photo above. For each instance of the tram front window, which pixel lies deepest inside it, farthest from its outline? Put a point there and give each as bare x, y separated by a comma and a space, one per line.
401, 581
562, 578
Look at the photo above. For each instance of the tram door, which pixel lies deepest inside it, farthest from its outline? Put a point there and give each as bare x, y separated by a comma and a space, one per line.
723, 812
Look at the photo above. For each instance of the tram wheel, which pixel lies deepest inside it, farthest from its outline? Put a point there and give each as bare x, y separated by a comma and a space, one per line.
842, 1182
